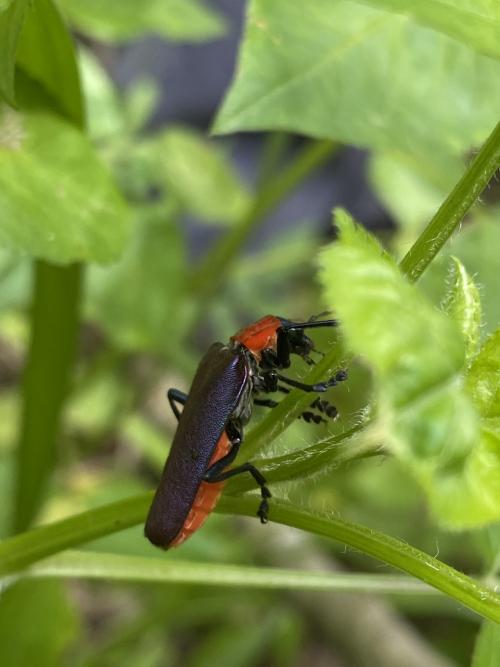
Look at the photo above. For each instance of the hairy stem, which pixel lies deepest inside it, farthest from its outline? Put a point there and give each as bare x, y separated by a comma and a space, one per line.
22, 550
453, 209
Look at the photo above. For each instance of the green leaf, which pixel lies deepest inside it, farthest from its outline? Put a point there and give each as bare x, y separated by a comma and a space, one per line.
46, 53
141, 100
469, 497
463, 304
103, 107
474, 22
151, 313
11, 21
477, 247
365, 77
114, 21
487, 649
58, 201
417, 354
390, 306
200, 176
37, 624
484, 378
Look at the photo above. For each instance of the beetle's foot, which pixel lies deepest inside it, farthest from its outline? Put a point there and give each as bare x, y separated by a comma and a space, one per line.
264, 505
341, 375
325, 407
309, 417
262, 511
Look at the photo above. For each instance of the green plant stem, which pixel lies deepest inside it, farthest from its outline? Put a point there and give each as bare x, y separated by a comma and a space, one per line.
219, 259
54, 331
400, 555
453, 209
20, 551
275, 145
98, 565
357, 443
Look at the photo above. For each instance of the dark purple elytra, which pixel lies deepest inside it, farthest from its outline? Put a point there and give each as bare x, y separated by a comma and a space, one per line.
216, 390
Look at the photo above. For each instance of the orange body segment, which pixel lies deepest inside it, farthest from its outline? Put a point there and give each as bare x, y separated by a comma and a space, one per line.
259, 336
206, 498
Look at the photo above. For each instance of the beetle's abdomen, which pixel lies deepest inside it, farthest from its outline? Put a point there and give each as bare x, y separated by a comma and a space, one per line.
206, 498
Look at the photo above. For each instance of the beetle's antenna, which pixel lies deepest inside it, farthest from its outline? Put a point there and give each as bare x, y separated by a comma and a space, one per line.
316, 324
313, 318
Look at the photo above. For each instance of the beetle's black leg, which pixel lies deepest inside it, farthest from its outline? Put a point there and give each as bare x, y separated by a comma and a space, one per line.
215, 476
283, 348
319, 386
265, 402
217, 473
176, 396
268, 358
325, 407
307, 416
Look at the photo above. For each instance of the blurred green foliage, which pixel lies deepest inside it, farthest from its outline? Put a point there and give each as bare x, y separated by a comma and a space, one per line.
84, 179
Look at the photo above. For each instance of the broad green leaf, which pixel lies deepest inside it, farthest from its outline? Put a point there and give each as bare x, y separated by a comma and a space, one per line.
417, 354
103, 107
58, 201
150, 314
471, 498
463, 304
199, 175
474, 22
11, 21
487, 649
125, 19
484, 378
415, 333
353, 74
140, 102
477, 247
37, 624
46, 54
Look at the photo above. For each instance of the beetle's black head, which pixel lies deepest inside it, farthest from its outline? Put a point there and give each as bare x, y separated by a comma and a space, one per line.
299, 342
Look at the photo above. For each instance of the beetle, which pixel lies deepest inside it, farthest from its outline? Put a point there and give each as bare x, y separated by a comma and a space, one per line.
224, 389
